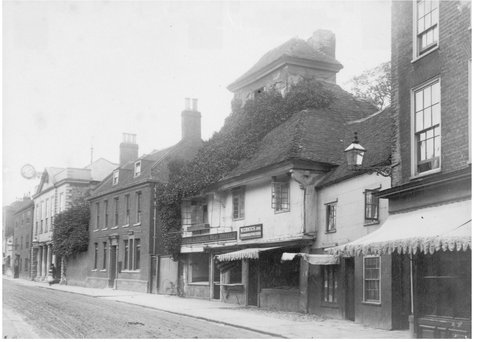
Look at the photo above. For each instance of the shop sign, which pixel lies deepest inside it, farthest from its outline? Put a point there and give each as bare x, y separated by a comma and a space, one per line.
209, 238
250, 232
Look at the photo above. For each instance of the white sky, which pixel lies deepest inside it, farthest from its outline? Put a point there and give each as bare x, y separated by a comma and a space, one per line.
77, 74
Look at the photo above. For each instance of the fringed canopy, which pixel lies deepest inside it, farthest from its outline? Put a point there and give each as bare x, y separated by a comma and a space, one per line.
248, 253
446, 227
313, 259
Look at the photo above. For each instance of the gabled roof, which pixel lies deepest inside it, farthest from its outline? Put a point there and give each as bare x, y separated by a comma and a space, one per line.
375, 135
294, 48
101, 168
154, 167
314, 135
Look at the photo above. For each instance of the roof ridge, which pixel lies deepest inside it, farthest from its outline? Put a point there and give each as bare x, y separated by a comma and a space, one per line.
367, 117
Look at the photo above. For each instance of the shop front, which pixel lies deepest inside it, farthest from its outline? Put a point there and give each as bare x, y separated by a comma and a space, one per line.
418, 262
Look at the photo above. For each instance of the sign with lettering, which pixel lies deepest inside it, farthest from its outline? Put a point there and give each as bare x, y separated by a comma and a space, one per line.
209, 238
250, 232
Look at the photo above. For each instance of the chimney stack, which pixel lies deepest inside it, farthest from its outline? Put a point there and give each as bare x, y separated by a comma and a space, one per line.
191, 120
128, 149
323, 41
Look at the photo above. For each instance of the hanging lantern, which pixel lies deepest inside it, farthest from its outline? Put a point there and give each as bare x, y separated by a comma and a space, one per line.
354, 154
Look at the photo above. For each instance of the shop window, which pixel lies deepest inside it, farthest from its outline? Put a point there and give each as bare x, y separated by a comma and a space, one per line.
280, 196
371, 207
277, 274
329, 284
238, 204
199, 268
235, 273
331, 217
137, 254
371, 279
444, 284
427, 128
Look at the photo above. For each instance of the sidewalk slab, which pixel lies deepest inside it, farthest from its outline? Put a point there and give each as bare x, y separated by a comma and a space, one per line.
277, 324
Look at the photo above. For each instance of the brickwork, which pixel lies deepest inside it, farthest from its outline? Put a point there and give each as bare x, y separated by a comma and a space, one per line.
449, 62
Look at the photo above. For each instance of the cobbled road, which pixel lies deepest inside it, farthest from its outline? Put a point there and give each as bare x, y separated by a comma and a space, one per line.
45, 313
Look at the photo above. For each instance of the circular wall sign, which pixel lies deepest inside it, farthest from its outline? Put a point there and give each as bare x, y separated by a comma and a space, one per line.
28, 171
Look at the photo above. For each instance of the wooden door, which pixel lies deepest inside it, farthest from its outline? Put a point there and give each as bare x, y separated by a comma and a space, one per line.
349, 276
253, 282
112, 275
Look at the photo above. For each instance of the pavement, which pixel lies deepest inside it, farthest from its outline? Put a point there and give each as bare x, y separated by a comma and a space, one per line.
274, 323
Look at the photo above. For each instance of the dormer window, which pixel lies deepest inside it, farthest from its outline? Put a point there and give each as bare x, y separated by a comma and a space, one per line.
115, 177
137, 168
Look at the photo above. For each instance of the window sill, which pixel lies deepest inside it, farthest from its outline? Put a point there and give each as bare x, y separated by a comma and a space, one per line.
95, 230
125, 225
425, 54
282, 211
115, 227
426, 173
371, 223
372, 303
129, 271
331, 231
199, 283
105, 228
137, 224
94, 270
103, 270
238, 219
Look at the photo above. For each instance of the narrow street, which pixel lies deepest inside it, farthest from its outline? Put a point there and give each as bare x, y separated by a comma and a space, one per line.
33, 312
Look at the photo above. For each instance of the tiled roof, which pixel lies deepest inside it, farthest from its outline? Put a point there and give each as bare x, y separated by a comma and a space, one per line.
311, 135
154, 167
375, 135
296, 48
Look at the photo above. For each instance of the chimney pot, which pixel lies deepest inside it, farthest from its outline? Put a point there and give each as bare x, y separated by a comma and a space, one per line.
128, 149
191, 121
195, 105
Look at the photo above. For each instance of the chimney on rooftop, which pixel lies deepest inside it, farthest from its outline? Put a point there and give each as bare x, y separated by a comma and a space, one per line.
128, 149
191, 120
323, 41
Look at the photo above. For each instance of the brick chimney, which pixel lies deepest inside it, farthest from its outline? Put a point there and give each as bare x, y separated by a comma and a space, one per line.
128, 149
191, 120
323, 41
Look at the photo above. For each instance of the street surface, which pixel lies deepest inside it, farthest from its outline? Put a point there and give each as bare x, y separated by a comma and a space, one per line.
33, 312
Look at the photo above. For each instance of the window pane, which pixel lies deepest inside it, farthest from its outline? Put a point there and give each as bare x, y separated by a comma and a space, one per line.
426, 96
434, 17
436, 114
419, 121
427, 117
421, 25
435, 93
418, 100
421, 9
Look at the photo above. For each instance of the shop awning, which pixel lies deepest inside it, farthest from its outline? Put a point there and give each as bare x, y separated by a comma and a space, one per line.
248, 253
313, 259
445, 227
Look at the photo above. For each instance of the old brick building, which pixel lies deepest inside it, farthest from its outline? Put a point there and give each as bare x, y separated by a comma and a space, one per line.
428, 232
121, 253
23, 218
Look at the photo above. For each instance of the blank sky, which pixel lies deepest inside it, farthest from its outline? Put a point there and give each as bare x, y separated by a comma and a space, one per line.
78, 74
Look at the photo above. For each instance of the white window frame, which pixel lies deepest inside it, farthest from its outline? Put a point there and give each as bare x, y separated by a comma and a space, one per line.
278, 203
115, 177
130, 246
416, 53
240, 193
413, 143
327, 205
139, 212
379, 280
137, 168
368, 220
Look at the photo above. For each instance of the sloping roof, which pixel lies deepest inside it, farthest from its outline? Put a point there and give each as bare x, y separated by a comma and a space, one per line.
294, 47
315, 135
101, 168
375, 134
154, 167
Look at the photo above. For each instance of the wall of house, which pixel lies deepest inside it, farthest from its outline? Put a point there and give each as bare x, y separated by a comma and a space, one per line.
23, 237
258, 210
450, 62
76, 269
350, 220
376, 315
133, 280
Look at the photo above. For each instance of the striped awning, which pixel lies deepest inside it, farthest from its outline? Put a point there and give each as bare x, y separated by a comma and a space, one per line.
248, 253
313, 259
446, 227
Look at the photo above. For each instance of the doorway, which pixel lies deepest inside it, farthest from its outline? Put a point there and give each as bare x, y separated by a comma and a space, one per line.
349, 276
112, 275
216, 282
253, 282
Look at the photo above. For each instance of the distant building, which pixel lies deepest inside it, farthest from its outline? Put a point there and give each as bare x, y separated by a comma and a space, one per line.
23, 237
123, 252
58, 189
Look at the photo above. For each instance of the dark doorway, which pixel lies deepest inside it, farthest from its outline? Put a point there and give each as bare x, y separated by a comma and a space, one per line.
216, 282
112, 277
349, 289
252, 282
